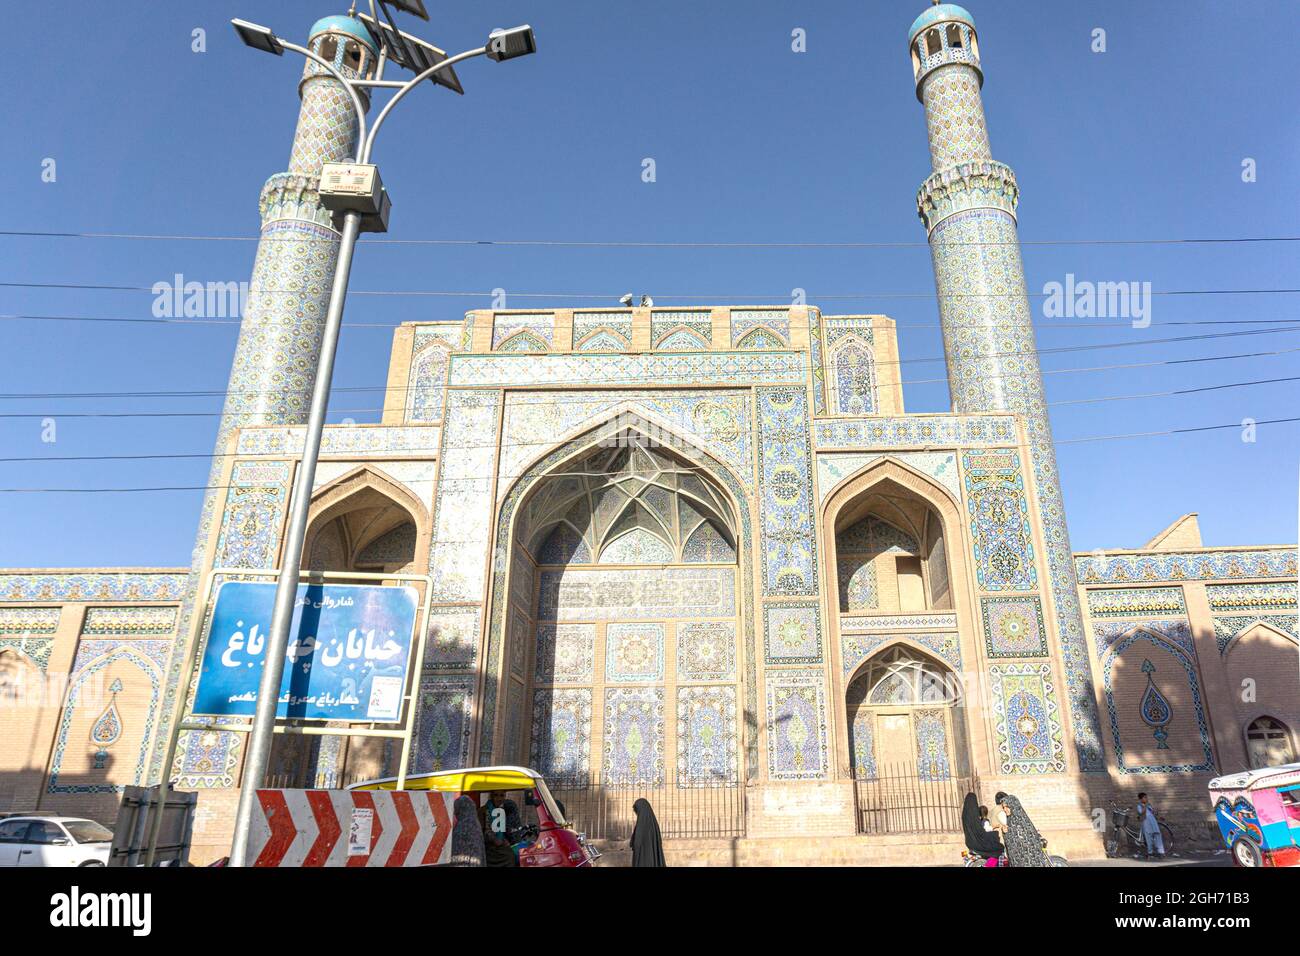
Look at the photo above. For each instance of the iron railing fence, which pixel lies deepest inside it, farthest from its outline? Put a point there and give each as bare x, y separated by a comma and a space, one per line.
603, 810
897, 799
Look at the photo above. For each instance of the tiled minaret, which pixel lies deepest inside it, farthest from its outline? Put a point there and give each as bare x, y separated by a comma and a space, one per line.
279, 343
968, 206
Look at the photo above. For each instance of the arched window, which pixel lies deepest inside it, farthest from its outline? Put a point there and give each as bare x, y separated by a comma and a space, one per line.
933, 43
1269, 743
954, 36
901, 676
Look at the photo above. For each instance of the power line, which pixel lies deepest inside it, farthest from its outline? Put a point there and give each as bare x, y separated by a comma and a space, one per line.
641, 380
647, 244
540, 444
215, 393
613, 296
511, 477
1045, 326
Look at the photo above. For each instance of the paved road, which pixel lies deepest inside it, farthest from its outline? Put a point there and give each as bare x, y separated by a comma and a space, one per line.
1192, 859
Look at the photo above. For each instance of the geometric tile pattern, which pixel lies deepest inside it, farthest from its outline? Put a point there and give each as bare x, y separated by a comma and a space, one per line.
789, 542
796, 725
634, 653
1004, 554
1136, 602
634, 736
792, 633
565, 653
1013, 627
706, 650
1025, 714
706, 735
1188, 566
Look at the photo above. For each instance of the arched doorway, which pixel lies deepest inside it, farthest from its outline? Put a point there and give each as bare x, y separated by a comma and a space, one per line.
904, 634
905, 717
625, 653
361, 522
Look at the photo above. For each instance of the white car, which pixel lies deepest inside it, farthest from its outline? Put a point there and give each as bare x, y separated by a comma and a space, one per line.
53, 841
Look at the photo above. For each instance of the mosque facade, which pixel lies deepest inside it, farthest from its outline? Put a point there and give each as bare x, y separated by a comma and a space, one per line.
675, 552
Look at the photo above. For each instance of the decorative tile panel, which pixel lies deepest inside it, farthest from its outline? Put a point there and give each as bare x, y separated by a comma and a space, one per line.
634, 736
561, 749
634, 652
565, 653
995, 499
706, 650
1025, 713
789, 538
1013, 627
463, 510
453, 638
706, 736
92, 586
792, 633
1251, 598
585, 594
443, 723
834, 467
796, 725
685, 368
856, 648
915, 431
1136, 602
1187, 566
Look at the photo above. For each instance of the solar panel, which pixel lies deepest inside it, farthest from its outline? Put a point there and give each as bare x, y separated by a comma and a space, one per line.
412, 53
413, 7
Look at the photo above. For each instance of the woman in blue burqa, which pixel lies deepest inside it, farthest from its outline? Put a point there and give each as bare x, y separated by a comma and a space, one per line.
979, 841
1023, 842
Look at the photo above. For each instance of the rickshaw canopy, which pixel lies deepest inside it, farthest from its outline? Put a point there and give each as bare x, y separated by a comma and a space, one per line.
471, 780
1265, 777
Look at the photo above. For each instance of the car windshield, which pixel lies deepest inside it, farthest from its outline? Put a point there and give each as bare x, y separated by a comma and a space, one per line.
88, 831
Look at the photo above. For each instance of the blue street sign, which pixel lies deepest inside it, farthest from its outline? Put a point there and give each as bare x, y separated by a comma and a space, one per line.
349, 648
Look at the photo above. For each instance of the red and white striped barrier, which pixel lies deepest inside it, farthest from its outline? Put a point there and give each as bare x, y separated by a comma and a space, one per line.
351, 828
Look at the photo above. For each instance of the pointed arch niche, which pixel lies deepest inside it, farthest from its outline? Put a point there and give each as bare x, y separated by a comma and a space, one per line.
902, 609
362, 521
620, 637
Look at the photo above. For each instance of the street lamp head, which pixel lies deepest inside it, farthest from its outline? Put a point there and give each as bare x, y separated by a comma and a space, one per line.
508, 44
258, 37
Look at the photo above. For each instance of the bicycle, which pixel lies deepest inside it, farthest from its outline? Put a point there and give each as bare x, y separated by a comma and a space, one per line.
1119, 823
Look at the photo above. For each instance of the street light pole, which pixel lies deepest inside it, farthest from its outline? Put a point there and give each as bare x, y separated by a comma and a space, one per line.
500, 45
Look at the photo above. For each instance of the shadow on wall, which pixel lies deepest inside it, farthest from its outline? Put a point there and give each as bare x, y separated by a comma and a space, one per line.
79, 795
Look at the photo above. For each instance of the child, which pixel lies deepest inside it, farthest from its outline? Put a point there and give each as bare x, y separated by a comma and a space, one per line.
984, 820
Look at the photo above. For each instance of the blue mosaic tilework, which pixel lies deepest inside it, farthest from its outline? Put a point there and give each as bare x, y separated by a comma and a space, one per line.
916, 431
706, 735
1025, 713
1013, 627
1187, 566
792, 633
789, 538
796, 725
995, 499
1136, 602
634, 736
1172, 636
634, 652
561, 747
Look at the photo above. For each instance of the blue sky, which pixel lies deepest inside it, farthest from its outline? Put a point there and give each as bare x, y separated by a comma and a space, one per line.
752, 142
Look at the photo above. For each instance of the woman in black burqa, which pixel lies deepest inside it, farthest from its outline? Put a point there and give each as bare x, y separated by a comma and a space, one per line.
647, 845
979, 841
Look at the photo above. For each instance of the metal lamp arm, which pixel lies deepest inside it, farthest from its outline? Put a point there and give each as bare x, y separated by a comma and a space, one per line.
369, 141
346, 84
